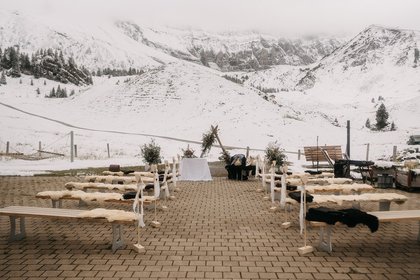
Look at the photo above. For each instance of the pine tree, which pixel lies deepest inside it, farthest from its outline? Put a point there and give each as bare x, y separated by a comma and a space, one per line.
32, 82
203, 58
20, 81
14, 61
72, 92
367, 124
52, 93
38, 91
45, 82
381, 117
61, 58
393, 128
64, 93
3, 79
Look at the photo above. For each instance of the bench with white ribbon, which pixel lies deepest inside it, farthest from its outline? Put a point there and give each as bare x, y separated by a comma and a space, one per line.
117, 218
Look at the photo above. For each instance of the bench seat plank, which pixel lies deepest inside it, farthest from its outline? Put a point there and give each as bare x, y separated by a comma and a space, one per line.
87, 197
397, 216
39, 212
100, 186
111, 179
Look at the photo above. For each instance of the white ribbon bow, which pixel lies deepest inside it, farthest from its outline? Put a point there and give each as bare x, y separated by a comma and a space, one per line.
138, 204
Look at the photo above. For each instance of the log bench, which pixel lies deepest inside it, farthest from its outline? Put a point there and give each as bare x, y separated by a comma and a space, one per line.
58, 196
325, 232
384, 199
100, 186
335, 188
116, 179
17, 214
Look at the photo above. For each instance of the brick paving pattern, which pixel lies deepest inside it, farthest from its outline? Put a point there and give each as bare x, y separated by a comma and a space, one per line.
213, 230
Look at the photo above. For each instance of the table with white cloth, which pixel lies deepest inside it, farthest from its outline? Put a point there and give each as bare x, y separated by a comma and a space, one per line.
195, 169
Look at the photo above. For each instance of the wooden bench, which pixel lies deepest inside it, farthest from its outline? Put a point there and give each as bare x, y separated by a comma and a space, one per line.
325, 232
58, 196
384, 199
115, 179
322, 153
100, 186
320, 181
335, 188
21, 212
340, 188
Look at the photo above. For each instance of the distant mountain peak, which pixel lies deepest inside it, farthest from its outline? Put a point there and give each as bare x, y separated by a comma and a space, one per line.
376, 49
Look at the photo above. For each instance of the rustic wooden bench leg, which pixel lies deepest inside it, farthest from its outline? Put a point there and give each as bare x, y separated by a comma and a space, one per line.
22, 232
384, 205
117, 237
82, 203
54, 203
418, 237
325, 238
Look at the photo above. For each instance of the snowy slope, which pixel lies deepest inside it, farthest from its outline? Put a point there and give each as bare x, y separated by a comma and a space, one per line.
178, 100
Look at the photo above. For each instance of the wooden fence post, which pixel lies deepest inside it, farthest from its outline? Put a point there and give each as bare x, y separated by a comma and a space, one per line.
75, 150
299, 154
7, 147
394, 153
107, 147
367, 151
71, 146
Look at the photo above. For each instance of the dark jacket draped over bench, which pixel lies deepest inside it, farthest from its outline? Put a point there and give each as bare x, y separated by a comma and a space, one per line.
350, 217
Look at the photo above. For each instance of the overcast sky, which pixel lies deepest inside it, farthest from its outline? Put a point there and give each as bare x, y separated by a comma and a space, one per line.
280, 17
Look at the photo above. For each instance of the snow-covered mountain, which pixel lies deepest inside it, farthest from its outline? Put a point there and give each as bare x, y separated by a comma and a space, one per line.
232, 51
124, 44
375, 58
379, 64
378, 54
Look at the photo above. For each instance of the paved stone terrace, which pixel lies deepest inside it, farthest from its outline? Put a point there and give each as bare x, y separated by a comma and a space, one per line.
214, 230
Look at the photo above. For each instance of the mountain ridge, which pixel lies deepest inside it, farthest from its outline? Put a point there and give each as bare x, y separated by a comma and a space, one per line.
124, 44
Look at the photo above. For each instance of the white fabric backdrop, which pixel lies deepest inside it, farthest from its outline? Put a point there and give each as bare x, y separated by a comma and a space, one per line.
194, 169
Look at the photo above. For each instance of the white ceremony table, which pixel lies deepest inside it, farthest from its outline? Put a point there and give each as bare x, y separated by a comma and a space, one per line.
194, 169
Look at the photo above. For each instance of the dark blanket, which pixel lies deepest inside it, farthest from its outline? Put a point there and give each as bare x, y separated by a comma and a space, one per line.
350, 217
313, 172
296, 196
130, 195
288, 187
149, 187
